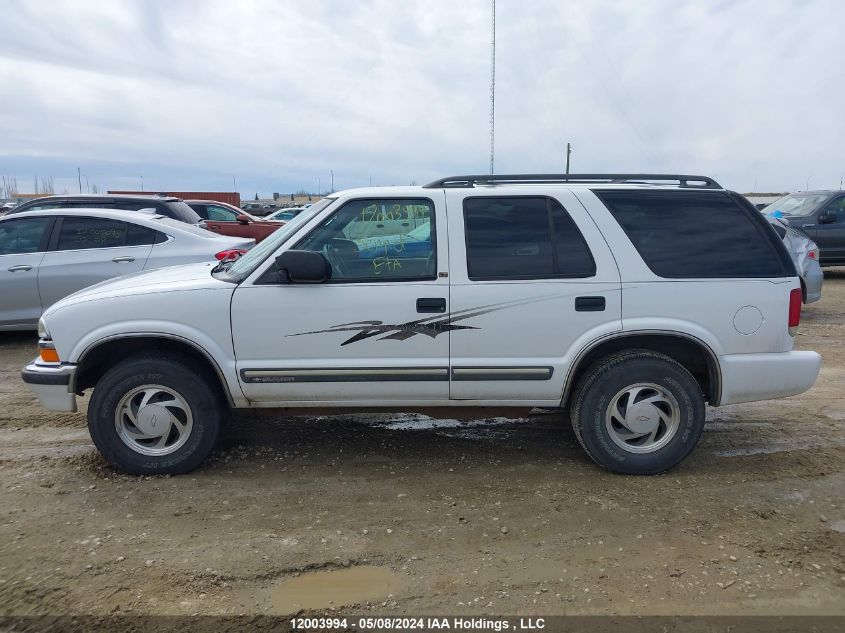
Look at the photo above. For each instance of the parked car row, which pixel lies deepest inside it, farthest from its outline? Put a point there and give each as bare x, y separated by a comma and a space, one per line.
229, 220
166, 206
285, 215
51, 252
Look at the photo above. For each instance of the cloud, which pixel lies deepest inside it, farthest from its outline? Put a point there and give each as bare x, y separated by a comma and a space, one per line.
190, 94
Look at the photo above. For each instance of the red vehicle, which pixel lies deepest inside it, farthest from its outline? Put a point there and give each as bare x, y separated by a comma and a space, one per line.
228, 220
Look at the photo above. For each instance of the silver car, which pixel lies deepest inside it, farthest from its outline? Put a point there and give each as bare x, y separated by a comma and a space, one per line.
805, 255
47, 255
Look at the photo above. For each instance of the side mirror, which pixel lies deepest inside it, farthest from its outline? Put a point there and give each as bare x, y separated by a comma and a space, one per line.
242, 219
827, 217
303, 267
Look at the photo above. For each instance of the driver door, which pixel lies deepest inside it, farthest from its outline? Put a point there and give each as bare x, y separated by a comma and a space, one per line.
830, 235
377, 332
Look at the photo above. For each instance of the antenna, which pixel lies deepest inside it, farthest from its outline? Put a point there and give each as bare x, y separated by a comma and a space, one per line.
493, 88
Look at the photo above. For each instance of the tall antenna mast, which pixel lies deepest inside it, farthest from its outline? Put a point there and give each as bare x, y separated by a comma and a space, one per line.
493, 89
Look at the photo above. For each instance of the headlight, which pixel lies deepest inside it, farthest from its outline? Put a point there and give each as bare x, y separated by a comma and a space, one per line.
43, 332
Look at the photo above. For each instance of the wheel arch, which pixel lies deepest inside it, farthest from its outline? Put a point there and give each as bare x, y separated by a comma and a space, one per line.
105, 353
691, 352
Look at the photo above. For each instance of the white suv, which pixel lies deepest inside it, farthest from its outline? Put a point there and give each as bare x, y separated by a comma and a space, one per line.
630, 299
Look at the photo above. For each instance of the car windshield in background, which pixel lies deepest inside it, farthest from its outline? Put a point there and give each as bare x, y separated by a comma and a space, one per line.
797, 204
181, 211
245, 264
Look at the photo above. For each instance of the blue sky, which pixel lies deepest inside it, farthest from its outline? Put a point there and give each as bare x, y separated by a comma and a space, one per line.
276, 94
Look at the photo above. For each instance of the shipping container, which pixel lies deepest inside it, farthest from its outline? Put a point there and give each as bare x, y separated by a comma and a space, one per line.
229, 197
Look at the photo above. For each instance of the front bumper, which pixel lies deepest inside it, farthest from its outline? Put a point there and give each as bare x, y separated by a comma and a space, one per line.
752, 377
53, 385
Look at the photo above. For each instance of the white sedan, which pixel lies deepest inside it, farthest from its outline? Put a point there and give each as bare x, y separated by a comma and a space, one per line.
47, 255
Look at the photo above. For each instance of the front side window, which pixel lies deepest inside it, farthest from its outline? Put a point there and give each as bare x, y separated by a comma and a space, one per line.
78, 233
836, 208
378, 240
695, 234
220, 214
22, 236
523, 238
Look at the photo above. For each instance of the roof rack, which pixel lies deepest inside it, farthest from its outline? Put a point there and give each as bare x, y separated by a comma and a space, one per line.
683, 180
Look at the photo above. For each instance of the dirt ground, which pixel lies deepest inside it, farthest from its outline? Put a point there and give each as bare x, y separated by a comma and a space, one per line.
406, 514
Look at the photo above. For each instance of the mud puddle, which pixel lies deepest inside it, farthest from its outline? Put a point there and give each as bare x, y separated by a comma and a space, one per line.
324, 589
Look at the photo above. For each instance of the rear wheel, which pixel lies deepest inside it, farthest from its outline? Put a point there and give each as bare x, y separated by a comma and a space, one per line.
151, 415
638, 412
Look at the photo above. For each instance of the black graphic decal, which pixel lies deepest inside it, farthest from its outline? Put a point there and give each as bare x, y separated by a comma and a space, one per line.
430, 326
400, 332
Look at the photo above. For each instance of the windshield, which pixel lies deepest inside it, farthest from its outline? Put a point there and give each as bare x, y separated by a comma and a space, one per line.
798, 204
245, 264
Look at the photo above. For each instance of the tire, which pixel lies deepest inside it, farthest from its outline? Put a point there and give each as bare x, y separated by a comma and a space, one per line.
191, 407
670, 412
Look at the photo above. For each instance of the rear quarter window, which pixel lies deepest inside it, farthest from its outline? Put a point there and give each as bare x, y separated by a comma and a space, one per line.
178, 210
696, 234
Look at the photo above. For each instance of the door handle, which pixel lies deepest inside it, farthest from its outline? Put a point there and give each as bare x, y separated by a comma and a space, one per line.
125, 258
589, 304
431, 304
19, 268
807, 226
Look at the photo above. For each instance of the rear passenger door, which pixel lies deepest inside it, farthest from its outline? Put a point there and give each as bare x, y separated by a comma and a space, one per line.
532, 281
86, 250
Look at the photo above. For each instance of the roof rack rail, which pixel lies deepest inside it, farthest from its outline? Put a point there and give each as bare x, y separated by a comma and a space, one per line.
683, 180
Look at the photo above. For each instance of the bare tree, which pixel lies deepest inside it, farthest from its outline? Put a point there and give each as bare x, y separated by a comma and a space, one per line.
10, 187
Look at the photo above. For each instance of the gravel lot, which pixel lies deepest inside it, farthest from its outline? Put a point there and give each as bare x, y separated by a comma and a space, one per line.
407, 514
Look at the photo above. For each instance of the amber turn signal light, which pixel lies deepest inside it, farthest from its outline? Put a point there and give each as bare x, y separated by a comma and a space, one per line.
48, 354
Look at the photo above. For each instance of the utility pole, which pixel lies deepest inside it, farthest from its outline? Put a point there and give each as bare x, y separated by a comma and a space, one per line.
234, 184
79, 177
493, 89
568, 153
332, 173
142, 184
87, 186
318, 185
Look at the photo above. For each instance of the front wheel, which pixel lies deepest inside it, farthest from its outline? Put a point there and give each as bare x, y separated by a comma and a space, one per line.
151, 416
638, 412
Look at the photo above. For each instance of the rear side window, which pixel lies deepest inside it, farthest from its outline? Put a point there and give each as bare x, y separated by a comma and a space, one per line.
523, 238
89, 204
80, 233
41, 206
781, 231
178, 210
695, 234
